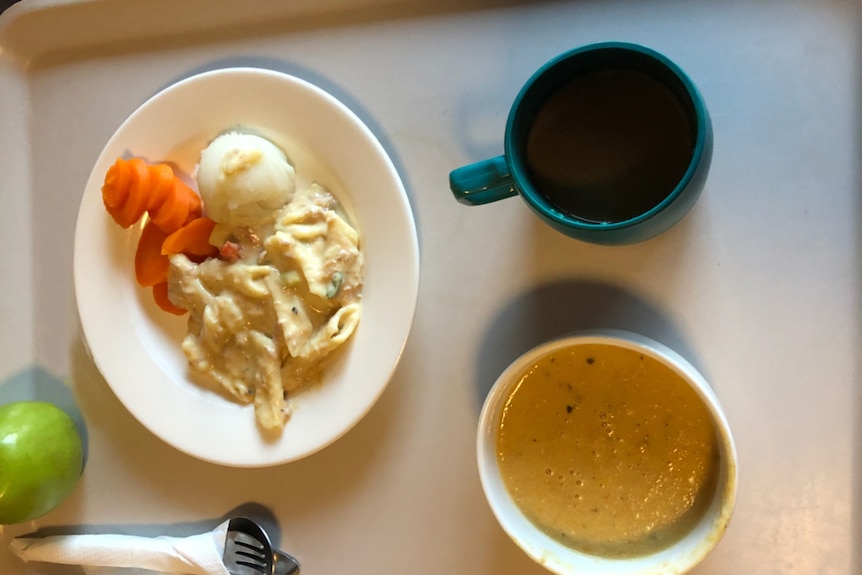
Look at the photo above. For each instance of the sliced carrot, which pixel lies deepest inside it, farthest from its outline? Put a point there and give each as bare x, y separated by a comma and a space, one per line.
193, 239
179, 206
173, 213
133, 187
195, 205
151, 267
136, 202
161, 186
115, 190
160, 295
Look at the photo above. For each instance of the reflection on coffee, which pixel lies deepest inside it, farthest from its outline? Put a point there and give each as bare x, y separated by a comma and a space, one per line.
608, 451
610, 145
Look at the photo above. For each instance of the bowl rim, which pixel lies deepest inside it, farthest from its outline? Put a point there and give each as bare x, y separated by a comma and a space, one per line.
679, 557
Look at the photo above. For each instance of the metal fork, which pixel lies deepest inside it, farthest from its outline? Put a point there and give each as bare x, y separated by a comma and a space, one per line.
248, 551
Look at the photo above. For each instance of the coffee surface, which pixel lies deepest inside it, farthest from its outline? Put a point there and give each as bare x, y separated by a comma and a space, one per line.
609, 145
608, 451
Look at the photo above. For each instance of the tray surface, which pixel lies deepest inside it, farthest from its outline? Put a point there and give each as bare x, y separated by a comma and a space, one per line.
759, 286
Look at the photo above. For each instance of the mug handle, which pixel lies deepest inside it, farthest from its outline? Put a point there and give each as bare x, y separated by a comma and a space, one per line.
483, 182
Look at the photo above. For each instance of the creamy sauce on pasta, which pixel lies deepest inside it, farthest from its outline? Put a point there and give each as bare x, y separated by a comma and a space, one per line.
608, 451
268, 313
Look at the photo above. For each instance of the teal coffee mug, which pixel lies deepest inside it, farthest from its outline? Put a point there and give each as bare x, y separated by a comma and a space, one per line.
608, 143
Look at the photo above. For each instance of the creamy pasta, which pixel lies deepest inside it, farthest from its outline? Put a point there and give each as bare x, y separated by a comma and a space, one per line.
283, 295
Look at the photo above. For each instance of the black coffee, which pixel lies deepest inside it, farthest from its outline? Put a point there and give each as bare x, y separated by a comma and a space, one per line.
610, 145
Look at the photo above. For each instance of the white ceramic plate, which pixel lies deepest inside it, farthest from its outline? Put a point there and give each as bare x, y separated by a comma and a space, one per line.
136, 346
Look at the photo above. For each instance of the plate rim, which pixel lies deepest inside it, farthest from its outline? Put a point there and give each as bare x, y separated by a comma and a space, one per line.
408, 276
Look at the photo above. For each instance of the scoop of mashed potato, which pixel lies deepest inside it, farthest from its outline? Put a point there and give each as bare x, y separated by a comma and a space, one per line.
242, 177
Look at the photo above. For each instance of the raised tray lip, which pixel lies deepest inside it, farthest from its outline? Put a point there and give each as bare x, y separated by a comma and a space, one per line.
43, 33
38, 33
723, 79
30, 29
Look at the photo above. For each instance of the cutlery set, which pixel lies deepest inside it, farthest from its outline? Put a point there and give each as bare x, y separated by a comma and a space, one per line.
248, 551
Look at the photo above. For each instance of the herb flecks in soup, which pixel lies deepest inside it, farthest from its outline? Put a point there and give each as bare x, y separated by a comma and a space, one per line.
608, 451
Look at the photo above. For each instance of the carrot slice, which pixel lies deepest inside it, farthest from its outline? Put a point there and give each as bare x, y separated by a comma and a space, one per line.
193, 239
161, 186
173, 213
160, 295
133, 187
195, 205
115, 190
151, 267
136, 202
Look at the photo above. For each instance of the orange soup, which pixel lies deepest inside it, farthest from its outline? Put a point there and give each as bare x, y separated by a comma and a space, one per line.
608, 451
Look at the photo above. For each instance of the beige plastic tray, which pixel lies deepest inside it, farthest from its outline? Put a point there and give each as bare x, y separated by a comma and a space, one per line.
759, 286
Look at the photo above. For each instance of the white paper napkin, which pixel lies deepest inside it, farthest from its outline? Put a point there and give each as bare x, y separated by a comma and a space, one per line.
129, 555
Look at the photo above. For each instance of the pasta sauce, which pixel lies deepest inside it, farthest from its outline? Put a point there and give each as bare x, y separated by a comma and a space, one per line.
265, 318
608, 451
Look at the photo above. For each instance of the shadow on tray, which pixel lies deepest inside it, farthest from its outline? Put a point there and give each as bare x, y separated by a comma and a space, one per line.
36, 384
559, 308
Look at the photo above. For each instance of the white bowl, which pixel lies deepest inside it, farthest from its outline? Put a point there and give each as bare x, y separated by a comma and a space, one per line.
558, 558
136, 346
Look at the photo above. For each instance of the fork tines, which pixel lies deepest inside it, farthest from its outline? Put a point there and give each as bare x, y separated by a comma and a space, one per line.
245, 554
255, 553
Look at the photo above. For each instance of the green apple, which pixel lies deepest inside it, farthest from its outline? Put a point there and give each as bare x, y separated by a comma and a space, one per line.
41, 459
